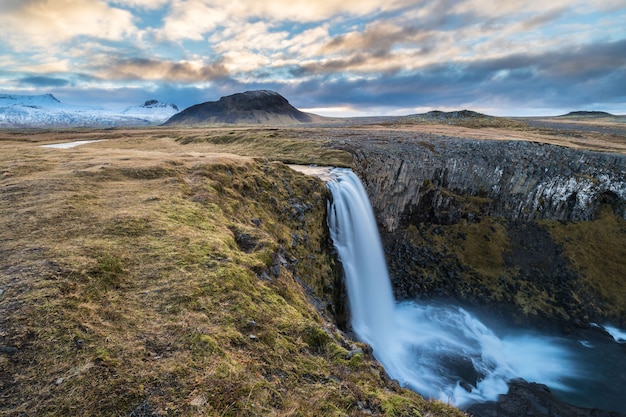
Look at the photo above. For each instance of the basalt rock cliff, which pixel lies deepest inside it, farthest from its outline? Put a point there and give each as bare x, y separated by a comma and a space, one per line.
515, 180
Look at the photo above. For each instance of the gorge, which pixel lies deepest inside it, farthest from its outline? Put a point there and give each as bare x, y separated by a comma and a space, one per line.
443, 351
491, 222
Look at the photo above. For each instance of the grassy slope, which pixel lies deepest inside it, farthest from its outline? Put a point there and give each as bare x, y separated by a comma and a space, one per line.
143, 277
516, 263
597, 250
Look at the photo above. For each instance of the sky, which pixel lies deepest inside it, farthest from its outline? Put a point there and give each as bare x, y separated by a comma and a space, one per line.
330, 57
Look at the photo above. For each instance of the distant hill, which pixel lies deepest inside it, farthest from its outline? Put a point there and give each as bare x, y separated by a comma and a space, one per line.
465, 118
457, 114
252, 107
593, 113
588, 114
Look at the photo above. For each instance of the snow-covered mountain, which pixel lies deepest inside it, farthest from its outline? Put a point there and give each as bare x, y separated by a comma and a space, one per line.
152, 110
42, 100
21, 111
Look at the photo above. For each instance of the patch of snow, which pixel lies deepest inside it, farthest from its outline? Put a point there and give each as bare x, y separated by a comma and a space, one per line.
67, 145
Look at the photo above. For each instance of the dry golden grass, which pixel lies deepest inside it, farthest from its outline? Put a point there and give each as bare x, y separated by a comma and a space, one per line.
138, 278
595, 141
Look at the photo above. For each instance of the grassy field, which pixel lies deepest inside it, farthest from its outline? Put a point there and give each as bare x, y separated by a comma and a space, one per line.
168, 273
180, 272
596, 135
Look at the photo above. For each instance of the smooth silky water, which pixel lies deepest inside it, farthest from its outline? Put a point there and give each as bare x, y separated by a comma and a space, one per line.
444, 351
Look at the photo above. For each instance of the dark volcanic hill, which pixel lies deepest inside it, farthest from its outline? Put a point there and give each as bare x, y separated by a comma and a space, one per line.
593, 113
251, 107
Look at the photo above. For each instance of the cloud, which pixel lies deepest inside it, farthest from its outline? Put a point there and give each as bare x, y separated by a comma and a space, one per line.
378, 38
394, 54
510, 10
40, 23
191, 19
363, 64
43, 81
586, 62
312, 11
194, 19
570, 66
609, 5
543, 18
144, 4
568, 79
167, 71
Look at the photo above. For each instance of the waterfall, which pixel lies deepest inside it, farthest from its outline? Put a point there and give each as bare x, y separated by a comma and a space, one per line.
355, 236
440, 351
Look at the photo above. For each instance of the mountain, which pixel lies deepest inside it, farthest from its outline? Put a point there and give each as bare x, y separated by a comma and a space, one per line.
251, 107
45, 110
42, 100
152, 110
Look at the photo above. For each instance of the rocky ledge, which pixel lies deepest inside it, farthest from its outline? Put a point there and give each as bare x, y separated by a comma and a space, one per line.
530, 399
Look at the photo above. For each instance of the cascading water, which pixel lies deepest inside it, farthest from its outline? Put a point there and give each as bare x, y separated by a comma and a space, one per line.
354, 234
441, 352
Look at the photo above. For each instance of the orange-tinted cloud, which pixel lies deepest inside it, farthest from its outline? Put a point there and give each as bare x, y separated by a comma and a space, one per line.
41, 23
150, 69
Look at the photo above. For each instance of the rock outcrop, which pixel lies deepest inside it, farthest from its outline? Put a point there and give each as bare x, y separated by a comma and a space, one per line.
530, 399
475, 220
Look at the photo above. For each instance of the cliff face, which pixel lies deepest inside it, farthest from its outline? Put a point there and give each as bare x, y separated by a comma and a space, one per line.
514, 180
530, 230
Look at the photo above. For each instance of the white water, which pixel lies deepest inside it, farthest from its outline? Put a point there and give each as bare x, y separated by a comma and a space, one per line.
616, 333
431, 349
353, 230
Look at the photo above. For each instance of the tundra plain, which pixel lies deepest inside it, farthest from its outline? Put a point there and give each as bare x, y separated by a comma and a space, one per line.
187, 271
